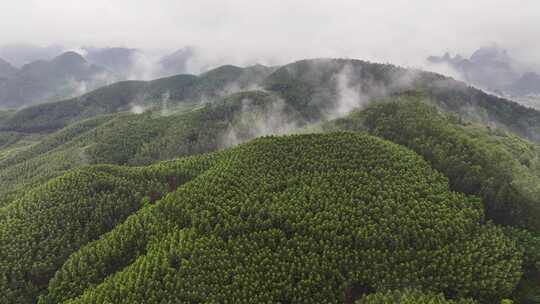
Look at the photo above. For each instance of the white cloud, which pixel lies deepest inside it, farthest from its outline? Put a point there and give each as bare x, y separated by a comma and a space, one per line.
272, 31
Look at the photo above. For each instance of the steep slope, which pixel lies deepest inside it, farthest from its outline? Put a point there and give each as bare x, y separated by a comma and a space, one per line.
498, 166
303, 219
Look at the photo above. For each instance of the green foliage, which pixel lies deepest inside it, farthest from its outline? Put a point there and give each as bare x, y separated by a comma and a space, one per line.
46, 157
472, 160
311, 87
53, 116
39, 231
529, 243
122, 96
130, 139
528, 290
409, 296
298, 219
9, 138
55, 140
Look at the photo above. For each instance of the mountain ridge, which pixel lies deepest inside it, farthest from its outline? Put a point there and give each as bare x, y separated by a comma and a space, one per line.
140, 172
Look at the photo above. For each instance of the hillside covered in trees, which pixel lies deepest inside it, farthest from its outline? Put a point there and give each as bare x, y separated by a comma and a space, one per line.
400, 186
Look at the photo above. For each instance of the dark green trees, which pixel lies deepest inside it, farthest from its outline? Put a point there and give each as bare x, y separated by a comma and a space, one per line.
473, 164
299, 219
39, 231
409, 296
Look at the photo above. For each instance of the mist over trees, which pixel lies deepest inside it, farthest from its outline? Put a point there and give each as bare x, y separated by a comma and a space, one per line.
246, 152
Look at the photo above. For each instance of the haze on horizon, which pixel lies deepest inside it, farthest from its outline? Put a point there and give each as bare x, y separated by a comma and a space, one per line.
275, 32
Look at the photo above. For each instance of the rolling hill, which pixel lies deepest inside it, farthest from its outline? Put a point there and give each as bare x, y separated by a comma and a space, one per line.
126, 96
334, 202
145, 192
319, 89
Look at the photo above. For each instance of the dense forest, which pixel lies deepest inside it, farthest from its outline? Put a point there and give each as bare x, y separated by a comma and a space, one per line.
400, 186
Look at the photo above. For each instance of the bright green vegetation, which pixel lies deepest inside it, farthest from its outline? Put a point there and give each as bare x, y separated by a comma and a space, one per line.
134, 139
40, 230
430, 203
143, 139
499, 167
300, 219
45, 157
528, 291
408, 297
175, 125
307, 89
477, 160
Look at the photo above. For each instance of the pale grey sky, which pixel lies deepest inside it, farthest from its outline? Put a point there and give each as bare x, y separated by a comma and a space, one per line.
272, 31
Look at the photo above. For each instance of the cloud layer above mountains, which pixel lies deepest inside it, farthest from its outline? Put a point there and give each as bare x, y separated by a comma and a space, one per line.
273, 32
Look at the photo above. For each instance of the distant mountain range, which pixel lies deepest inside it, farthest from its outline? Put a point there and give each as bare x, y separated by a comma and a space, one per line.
493, 69
177, 61
21, 54
68, 74
115, 59
6, 70
29, 75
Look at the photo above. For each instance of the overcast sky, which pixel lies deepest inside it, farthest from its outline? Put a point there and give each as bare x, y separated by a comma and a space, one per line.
271, 31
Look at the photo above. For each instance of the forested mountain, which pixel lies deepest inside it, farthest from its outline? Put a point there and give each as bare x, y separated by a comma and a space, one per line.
138, 192
134, 95
319, 89
500, 167
322, 205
